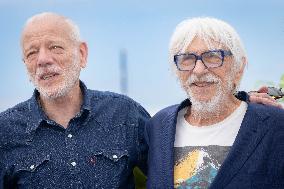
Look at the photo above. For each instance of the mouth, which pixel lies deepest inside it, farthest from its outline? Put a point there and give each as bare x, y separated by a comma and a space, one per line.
48, 76
202, 84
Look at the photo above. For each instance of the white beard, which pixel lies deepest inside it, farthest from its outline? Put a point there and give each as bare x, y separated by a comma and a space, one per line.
70, 74
205, 108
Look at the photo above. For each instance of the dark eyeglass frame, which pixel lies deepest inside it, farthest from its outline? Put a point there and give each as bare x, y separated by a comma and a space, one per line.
199, 57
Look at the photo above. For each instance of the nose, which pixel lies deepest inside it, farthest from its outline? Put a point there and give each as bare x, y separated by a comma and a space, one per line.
44, 57
199, 68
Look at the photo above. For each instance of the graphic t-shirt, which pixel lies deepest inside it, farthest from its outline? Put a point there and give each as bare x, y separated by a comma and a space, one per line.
200, 151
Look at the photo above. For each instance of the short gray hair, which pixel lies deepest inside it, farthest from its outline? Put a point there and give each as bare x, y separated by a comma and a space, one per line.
74, 33
210, 30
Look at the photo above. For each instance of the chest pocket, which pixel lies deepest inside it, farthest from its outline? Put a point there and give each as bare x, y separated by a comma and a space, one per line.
31, 164
110, 167
30, 170
112, 160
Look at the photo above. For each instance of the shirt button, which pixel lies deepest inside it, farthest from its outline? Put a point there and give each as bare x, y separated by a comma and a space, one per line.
69, 135
32, 167
114, 156
73, 163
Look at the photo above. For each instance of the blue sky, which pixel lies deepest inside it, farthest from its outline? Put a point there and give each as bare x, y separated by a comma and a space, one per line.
143, 28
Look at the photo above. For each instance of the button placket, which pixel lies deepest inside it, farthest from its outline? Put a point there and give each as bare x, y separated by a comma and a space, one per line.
72, 156
70, 147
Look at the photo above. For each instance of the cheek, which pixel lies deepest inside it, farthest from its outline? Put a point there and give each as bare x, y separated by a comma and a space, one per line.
31, 68
66, 61
222, 73
226, 77
183, 77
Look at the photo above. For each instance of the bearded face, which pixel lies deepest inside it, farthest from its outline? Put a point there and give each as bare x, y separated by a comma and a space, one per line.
52, 81
208, 88
52, 57
206, 92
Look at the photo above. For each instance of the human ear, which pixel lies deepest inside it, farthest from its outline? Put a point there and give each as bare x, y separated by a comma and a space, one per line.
83, 54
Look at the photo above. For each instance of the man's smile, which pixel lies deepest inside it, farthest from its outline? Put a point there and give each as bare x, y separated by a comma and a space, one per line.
202, 84
48, 76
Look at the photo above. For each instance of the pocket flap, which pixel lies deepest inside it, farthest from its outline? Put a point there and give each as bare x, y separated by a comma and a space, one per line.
31, 163
113, 155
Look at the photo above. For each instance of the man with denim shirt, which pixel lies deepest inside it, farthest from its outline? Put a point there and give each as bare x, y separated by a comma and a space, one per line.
67, 136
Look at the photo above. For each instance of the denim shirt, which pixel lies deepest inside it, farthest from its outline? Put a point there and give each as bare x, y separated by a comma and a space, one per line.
98, 149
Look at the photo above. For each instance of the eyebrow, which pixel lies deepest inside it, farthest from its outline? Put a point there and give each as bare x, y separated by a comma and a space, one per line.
34, 45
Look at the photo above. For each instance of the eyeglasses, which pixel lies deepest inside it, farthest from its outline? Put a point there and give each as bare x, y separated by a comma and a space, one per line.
210, 59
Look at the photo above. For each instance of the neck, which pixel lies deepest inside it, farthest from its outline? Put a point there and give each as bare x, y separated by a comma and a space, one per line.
222, 111
63, 109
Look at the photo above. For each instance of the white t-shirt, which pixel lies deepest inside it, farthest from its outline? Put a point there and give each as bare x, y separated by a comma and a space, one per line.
200, 151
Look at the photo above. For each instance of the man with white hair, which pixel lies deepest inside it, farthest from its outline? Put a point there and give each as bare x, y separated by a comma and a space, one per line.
212, 139
67, 136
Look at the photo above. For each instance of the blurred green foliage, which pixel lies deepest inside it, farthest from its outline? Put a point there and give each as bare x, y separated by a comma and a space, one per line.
261, 83
282, 82
140, 179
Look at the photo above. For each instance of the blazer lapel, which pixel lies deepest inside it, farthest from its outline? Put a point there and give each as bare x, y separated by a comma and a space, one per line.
251, 132
167, 148
168, 131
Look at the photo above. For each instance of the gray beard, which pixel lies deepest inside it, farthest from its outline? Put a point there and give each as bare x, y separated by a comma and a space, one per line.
205, 109
71, 76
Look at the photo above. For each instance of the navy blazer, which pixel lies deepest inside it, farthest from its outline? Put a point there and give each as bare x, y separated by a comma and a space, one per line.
256, 159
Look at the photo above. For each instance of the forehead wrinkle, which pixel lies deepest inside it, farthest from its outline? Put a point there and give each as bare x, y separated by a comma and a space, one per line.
204, 46
30, 40
53, 27
48, 33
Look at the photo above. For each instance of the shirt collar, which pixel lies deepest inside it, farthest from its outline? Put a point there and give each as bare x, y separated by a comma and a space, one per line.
37, 115
87, 96
184, 104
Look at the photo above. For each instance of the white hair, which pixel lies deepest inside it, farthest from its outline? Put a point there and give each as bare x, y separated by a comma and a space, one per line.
210, 30
74, 29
